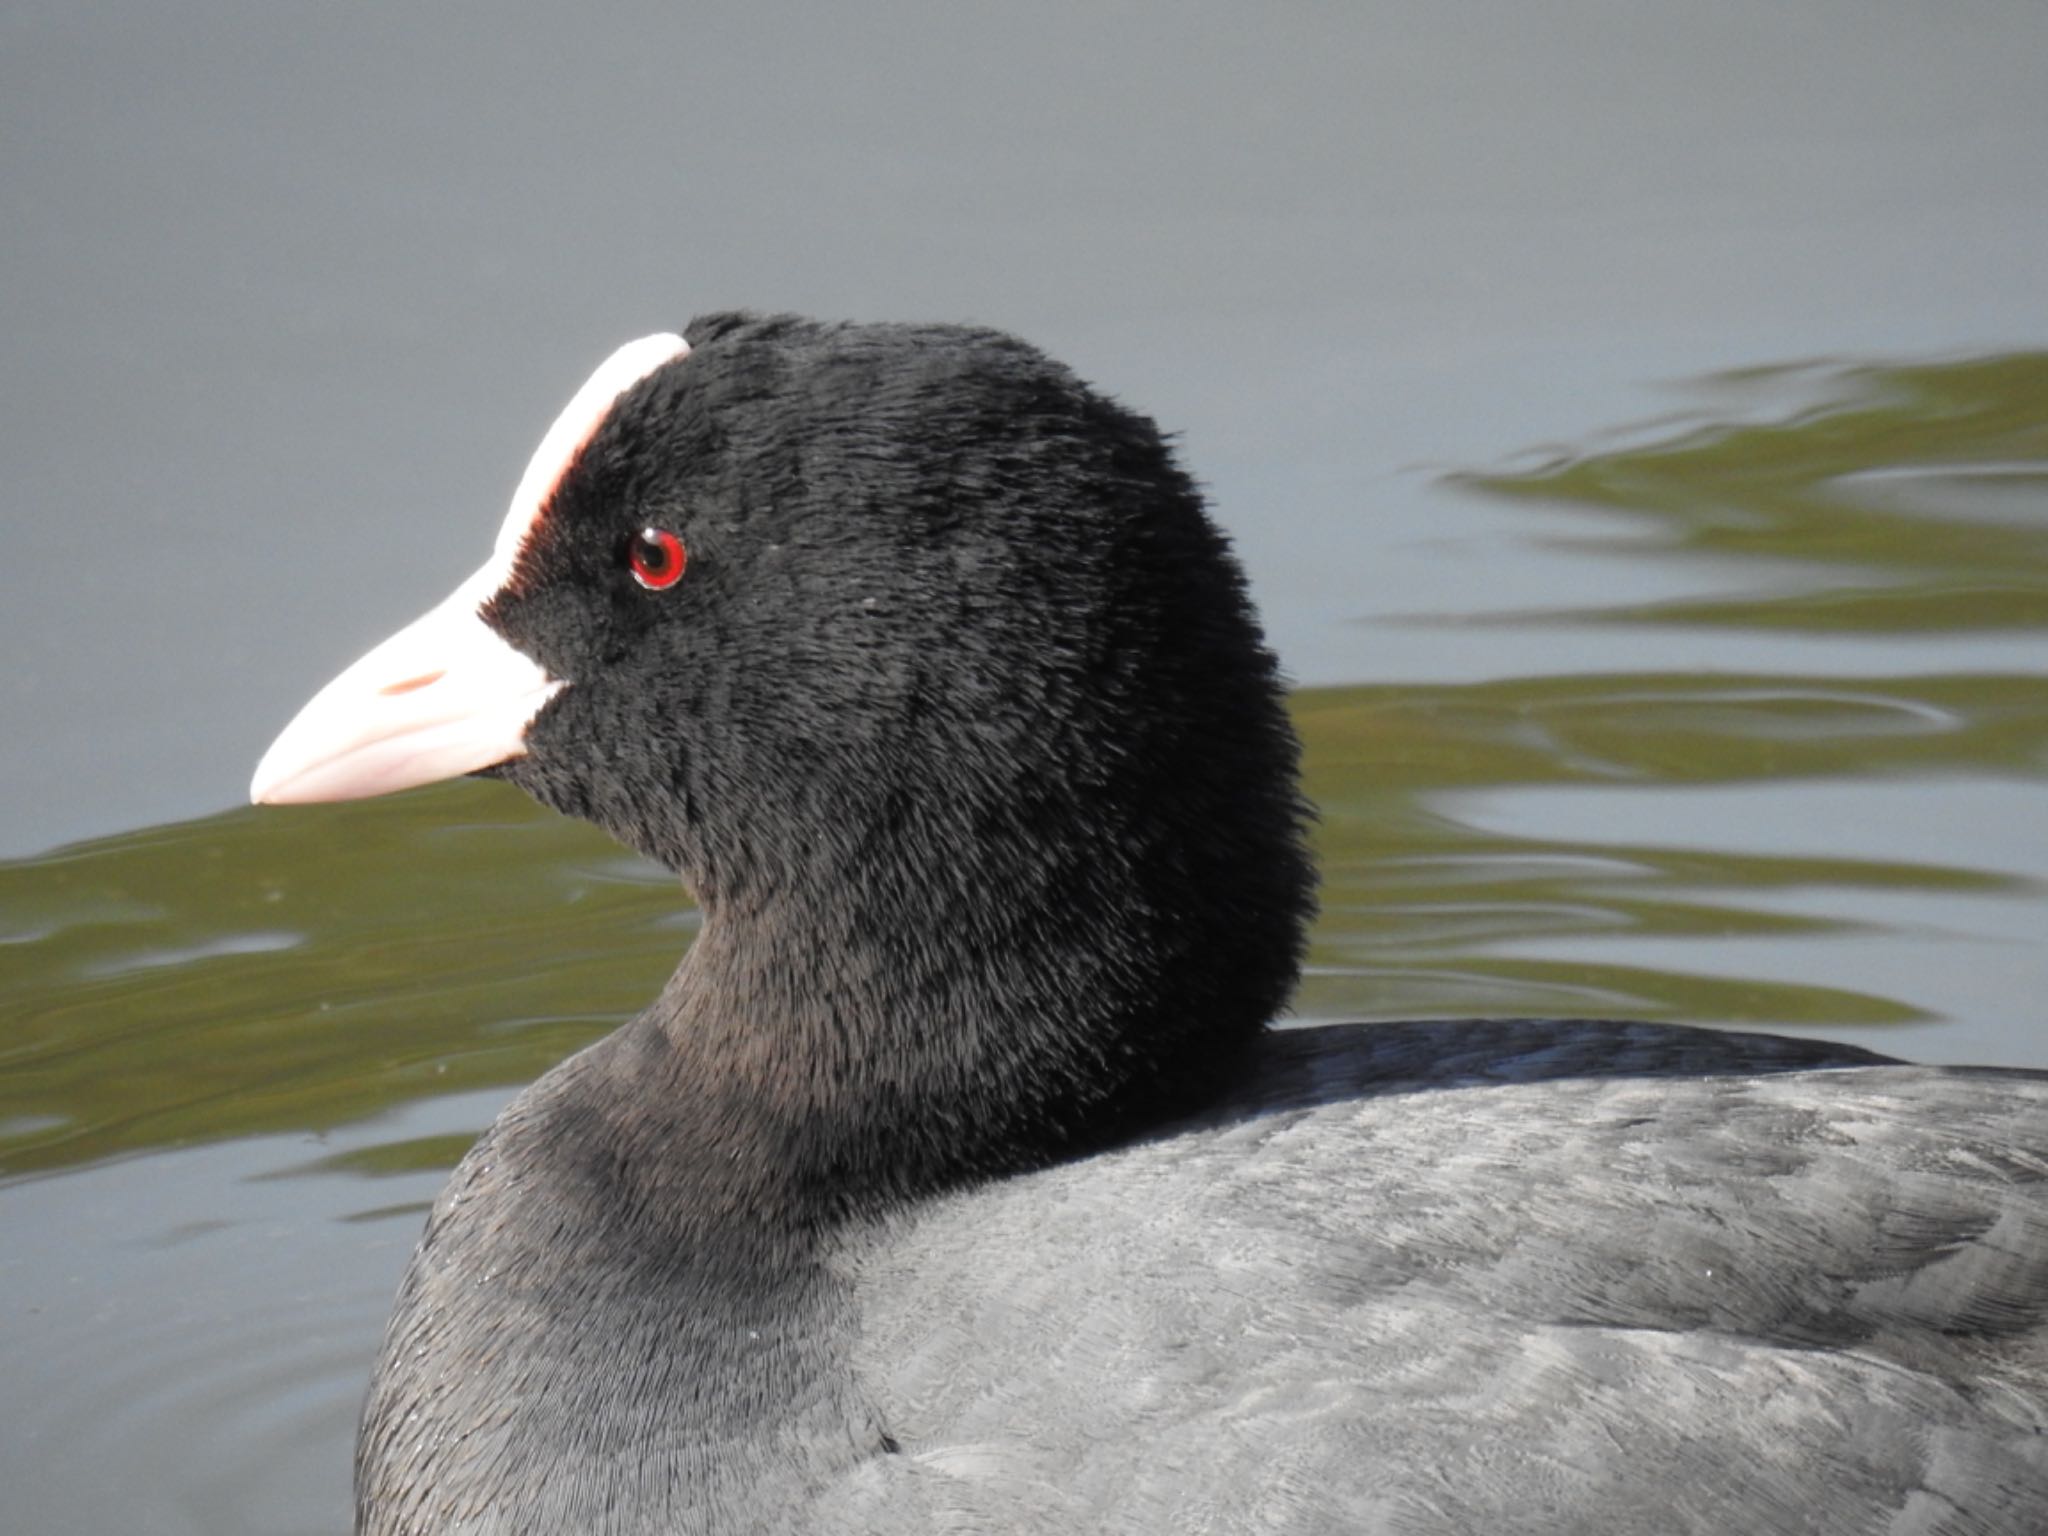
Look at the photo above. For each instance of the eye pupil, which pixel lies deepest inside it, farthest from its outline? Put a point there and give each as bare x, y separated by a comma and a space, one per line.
657, 558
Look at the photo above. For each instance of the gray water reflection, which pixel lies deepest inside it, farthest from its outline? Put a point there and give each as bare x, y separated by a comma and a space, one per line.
1899, 502
1826, 808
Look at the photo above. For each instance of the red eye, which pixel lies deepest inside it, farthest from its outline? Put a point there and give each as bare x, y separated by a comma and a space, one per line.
658, 558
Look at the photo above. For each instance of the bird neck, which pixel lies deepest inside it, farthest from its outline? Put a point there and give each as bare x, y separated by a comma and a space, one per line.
913, 1034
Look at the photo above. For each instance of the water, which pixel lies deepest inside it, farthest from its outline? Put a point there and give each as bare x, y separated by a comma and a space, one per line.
1716, 698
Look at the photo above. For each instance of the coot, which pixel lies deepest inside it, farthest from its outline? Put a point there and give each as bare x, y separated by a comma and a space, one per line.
956, 1182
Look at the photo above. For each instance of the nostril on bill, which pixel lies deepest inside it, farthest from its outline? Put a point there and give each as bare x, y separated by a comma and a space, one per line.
411, 684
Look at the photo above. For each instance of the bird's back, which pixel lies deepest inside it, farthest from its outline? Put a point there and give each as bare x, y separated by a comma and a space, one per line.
1595, 1278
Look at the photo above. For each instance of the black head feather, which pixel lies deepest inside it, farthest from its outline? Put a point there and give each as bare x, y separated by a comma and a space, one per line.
960, 715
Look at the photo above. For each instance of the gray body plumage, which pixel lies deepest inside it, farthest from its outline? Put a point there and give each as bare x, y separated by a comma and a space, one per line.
1501, 1277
